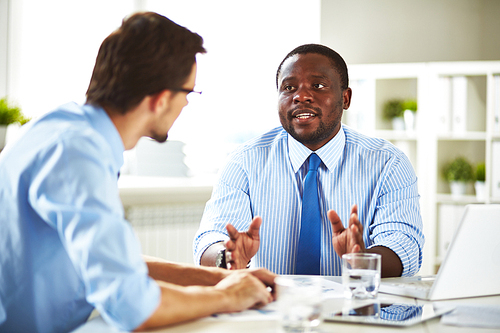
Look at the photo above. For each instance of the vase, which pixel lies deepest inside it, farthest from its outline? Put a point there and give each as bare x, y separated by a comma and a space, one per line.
480, 187
458, 189
409, 119
3, 135
398, 124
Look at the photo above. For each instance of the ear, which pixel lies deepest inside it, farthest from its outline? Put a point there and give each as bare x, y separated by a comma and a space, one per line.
346, 96
160, 101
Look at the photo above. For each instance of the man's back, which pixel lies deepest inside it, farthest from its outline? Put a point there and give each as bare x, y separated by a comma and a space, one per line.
54, 182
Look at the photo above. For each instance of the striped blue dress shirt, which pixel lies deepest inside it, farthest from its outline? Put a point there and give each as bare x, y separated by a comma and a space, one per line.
264, 177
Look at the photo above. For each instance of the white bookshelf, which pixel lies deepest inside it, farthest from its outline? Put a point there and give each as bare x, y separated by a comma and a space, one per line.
438, 137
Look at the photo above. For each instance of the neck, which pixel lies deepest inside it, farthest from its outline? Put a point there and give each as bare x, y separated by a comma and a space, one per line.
130, 125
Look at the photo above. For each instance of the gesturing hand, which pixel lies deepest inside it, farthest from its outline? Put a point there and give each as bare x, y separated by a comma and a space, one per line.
242, 246
350, 239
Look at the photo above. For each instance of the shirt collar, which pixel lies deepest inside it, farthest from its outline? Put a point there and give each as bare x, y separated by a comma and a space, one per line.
330, 153
101, 122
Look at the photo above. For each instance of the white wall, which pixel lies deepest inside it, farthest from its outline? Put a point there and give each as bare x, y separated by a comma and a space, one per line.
4, 33
384, 31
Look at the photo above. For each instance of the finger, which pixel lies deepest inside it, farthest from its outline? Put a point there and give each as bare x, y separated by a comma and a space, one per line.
353, 218
232, 231
337, 226
253, 230
356, 239
267, 277
354, 209
356, 248
229, 261
230, 245
261, 303
264, 297
354, 221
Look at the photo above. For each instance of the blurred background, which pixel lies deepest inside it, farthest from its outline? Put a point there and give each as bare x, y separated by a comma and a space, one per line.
394, 49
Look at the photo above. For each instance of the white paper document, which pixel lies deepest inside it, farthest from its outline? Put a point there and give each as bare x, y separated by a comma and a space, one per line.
331, 289
473, 315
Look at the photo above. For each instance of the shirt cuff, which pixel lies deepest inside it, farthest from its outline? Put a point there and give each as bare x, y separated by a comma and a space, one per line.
134, 302
401, 252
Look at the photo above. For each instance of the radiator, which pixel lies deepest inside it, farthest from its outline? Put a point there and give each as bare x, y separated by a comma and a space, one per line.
167, 230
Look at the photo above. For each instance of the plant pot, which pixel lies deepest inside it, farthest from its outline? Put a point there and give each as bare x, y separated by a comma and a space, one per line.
3, 135
398, 124
480, 190
409, 119
458, 189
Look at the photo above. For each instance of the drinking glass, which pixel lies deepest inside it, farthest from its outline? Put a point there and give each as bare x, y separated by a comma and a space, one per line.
299, 302
361, 275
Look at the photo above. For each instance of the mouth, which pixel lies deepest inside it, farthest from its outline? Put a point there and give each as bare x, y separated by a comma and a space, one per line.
304, 114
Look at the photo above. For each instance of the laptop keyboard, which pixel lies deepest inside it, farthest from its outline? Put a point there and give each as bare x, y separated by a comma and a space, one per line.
417, 285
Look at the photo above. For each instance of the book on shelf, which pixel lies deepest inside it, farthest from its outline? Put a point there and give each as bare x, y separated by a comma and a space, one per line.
496, 104
444, 106
495, 170
459, 104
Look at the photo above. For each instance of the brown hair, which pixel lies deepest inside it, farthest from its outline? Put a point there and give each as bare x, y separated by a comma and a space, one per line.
147, 54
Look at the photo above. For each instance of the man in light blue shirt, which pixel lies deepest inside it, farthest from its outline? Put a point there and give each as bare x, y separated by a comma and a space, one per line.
367, 187
65, 246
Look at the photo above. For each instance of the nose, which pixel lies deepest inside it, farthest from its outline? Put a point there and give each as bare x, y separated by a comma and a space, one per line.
302, 95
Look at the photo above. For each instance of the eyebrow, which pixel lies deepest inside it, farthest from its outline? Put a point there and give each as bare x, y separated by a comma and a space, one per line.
291, 78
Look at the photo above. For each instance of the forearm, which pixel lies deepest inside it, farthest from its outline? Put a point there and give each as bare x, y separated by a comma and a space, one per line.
179, 304
391, 263
183, 274
239, 291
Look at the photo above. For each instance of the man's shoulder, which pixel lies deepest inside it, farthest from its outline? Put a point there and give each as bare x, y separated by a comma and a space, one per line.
66, 126
368, 144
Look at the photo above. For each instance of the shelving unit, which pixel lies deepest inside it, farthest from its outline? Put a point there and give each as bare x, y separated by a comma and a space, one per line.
458, 114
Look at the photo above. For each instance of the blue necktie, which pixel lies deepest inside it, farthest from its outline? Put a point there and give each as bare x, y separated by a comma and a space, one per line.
308, 250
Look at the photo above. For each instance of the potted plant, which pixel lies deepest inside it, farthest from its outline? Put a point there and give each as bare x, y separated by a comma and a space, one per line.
393, 111
9, 114
479, 185
458, 173
410, 108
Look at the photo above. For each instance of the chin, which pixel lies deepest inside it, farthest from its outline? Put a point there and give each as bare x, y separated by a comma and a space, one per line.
159, 138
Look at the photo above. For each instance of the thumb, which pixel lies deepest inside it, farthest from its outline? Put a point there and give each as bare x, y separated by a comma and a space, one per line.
337, 226
253, 230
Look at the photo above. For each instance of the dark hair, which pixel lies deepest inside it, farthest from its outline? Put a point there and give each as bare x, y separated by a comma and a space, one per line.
337, 62
147, 54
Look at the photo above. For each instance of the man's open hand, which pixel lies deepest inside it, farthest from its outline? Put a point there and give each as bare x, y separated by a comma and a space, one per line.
350, 239
242, 246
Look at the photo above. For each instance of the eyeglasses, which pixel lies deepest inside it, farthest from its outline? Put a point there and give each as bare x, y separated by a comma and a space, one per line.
187, 91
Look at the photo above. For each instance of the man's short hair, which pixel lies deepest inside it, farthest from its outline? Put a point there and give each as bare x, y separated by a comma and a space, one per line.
146, 55
337, 61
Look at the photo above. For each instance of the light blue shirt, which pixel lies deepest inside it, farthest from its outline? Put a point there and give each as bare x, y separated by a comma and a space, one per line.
65, 246
264, 177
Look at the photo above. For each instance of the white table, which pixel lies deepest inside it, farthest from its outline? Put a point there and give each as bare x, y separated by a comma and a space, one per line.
97, 324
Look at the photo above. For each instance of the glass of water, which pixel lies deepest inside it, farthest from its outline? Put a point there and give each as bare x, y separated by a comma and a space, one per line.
361, 275
299, 301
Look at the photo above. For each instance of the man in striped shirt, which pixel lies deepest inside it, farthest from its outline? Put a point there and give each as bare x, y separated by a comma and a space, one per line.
368, 194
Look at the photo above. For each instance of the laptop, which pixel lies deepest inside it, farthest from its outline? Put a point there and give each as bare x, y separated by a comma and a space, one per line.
471, 267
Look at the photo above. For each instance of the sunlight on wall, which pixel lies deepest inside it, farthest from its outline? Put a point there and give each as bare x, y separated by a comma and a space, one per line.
57, 41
